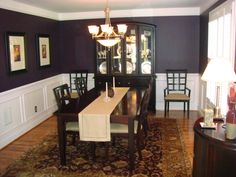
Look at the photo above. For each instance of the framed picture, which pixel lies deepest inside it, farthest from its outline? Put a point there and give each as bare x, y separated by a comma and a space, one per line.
43, 50
16, 52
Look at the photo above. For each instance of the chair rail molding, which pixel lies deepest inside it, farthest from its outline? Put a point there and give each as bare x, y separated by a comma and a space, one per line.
25, 107
192, 84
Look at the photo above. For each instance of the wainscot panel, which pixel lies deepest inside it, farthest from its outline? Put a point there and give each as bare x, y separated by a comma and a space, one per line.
25, 107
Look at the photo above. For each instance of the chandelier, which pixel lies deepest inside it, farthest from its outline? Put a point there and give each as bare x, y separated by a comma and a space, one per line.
108, 37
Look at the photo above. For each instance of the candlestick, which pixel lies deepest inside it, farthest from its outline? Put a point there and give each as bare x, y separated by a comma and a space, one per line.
106, 90
114, 84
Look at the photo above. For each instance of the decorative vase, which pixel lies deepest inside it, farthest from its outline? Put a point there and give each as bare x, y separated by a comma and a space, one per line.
110, 92
231, 123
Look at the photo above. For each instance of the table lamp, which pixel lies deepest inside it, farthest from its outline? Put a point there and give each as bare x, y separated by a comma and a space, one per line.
219, 71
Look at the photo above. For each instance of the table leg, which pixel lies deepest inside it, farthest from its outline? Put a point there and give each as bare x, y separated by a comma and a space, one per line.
131, 143
61, 139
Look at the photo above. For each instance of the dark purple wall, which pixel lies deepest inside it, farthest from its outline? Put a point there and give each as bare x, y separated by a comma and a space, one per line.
30, 25
177, 42
177, 45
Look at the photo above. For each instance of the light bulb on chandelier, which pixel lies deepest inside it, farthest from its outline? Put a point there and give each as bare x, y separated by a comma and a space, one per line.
108, 37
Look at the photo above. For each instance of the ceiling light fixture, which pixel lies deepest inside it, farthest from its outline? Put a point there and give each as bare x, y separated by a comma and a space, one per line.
108, 37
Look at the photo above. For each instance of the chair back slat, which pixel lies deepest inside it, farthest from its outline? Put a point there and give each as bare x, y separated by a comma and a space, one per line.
81, 85
176, 80
62, 95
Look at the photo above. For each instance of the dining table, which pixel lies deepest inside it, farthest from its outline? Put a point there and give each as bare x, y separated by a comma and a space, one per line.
124, 112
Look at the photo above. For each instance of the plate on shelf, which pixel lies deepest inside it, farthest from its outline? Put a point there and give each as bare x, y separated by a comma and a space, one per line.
103, 67
146, 67
129, 67
203, 125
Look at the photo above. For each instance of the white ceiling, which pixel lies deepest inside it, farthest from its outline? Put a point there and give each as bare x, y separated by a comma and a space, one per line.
90, 9
64, 6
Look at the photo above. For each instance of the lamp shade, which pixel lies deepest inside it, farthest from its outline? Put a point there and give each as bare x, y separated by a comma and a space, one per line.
219, 70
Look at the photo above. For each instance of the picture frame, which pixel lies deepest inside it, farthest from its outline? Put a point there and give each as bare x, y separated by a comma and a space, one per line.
16, 51
43, 50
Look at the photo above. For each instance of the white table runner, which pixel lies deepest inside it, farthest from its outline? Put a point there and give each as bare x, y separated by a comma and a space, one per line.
94, 120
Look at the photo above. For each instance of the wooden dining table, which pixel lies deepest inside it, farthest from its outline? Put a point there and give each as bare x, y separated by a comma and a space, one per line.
125, 112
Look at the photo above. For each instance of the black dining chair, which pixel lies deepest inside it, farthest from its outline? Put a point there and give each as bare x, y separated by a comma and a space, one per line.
63, 97
75, 74
145, 123
121, 129
81, 85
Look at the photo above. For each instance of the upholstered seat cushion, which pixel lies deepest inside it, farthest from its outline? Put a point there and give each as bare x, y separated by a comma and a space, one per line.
72, 126
123, 128
177, 96
74, 95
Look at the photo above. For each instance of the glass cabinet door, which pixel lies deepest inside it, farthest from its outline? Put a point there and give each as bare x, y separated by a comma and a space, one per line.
146, 50
102, 59
116, 58
130, 57
133, 55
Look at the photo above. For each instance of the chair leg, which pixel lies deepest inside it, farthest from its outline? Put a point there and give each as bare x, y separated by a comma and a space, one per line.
145, 126
168, 106
74, 138
184, 107
165, 108
113, 141
138, 145
93, 150
188, 107
107, 150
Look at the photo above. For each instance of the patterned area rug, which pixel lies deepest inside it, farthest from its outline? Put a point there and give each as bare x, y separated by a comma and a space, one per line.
163, 156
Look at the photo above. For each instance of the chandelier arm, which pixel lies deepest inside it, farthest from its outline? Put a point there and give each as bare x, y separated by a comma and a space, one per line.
108, 37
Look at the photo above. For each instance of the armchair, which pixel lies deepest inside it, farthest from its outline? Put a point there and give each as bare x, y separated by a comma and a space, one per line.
176, 90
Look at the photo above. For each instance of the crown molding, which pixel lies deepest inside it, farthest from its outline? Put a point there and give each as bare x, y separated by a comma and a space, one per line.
132, 13
32, 10
27, 9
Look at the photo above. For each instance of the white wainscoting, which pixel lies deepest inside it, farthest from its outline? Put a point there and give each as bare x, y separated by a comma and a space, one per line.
25, 107
192, 83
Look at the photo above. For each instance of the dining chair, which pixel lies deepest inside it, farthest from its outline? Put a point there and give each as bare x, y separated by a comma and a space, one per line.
121, 129
81, 85
63, 97
145, 123
73, 76
176, 90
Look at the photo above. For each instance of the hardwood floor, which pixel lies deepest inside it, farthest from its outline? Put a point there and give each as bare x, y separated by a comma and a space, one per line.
14, 150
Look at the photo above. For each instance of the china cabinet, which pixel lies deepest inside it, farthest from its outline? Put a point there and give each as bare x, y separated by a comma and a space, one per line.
131, 61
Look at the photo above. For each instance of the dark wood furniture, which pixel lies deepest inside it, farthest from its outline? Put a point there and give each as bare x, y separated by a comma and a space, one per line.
131, 61
214, 156
120, 129
81, 85
62, 95
176, 90
74, 74
129, 81
69, 113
